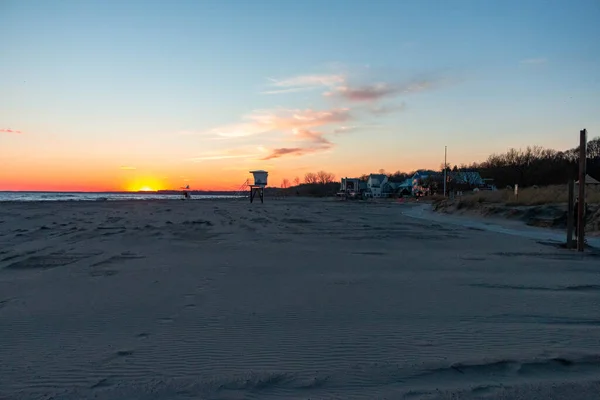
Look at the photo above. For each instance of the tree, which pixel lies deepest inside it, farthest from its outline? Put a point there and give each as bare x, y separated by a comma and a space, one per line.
296, 181
325, 177
285, 183
311, 178
398, 177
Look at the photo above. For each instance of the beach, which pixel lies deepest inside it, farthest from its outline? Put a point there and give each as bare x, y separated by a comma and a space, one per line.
294, 298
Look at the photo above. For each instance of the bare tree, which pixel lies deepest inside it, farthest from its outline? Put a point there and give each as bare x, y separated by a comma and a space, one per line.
296, 181
285, 183
324, 177
311, 177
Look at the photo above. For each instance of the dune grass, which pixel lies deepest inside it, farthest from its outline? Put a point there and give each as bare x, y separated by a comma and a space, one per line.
529, 196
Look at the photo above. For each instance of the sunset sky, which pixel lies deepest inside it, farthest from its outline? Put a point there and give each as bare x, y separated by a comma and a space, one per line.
121, 95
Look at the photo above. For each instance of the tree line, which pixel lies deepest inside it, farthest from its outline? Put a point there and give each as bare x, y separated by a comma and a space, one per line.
539, 166
534, 165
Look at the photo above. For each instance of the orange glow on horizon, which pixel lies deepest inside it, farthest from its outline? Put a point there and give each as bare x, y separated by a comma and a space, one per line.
144, 184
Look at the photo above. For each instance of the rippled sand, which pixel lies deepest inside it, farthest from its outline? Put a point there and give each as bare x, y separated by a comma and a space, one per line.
292, 298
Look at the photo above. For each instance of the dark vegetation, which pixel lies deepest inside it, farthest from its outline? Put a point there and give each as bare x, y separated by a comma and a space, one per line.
532, 166
538, 166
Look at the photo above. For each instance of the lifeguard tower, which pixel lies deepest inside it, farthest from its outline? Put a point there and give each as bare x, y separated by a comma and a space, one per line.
260, 181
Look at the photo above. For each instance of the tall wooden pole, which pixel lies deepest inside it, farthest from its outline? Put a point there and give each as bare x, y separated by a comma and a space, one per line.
445, 168
581, 202
570, 212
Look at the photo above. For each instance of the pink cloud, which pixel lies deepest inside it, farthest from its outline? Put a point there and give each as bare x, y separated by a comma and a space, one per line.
8, 130
304, 82
282, 120
378, 91
295, 151
366, 93
316, 142
312, 136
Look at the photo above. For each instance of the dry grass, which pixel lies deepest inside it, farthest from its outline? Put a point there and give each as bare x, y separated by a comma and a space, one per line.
529, 196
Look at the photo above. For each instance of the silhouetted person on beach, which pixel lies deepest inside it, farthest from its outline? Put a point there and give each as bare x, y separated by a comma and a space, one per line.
186, 193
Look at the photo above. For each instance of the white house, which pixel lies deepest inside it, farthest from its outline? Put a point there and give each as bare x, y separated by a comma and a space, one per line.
377, 185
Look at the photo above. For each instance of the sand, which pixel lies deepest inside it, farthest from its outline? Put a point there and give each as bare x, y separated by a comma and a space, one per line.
549, 216
293, 298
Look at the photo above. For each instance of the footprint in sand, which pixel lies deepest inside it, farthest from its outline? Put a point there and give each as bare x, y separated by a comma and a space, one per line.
102, 383
124, 353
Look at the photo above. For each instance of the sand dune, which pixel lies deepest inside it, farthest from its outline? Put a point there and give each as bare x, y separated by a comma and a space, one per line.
293, 298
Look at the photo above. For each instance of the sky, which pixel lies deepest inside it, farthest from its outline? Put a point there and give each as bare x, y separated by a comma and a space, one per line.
125, 95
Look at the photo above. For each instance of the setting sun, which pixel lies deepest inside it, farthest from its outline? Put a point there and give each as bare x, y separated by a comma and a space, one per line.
144, 184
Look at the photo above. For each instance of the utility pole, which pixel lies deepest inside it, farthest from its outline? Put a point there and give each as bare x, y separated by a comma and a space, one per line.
445, 168
570, 212
581, 202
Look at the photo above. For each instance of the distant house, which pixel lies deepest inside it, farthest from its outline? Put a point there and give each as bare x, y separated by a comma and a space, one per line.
350, 185
405, 188
422, 179
467, 179
378, 185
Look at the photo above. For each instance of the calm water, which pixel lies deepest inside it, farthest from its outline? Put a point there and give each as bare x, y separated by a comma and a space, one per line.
41, 196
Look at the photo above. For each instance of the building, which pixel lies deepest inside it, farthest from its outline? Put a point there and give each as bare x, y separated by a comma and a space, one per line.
467, 178
378, 186
350, 188
424, 181
349, 185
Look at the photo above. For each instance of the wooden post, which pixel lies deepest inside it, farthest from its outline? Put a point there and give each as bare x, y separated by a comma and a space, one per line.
570, 213
581, 208
445, 168
257, 189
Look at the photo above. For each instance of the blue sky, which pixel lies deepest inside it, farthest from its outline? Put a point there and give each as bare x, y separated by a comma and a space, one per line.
156, 85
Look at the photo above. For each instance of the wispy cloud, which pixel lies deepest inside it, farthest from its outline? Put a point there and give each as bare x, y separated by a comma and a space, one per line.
282, 120
379, 91
309, 80
303, 83
534, 61
311, 136
344, 129
249, 153
305, 131
127, 168
316, 142
294, 151
8, 130
364, 93
290, 90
